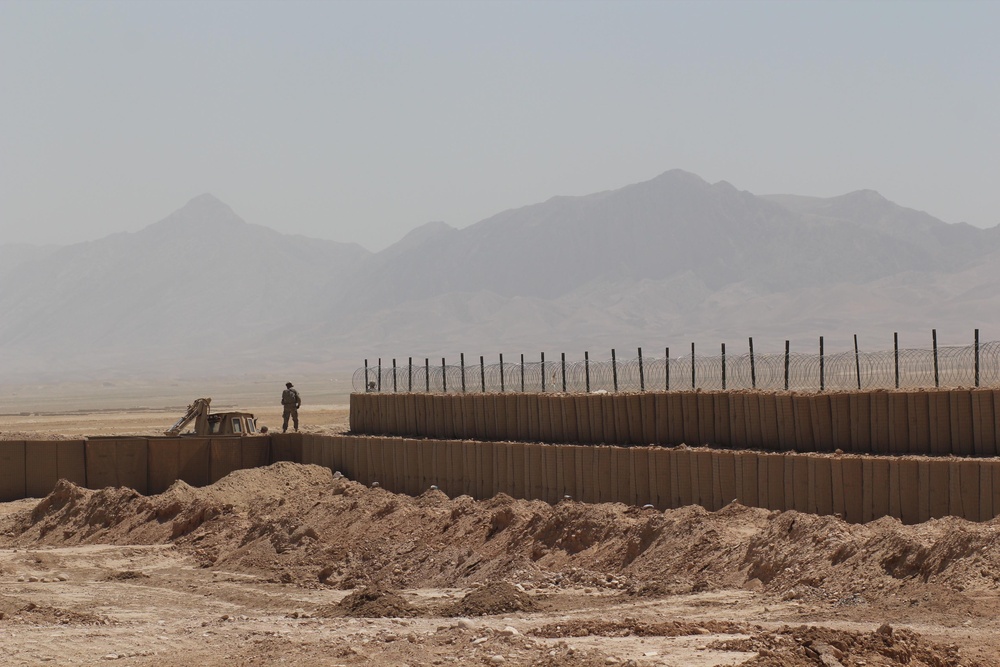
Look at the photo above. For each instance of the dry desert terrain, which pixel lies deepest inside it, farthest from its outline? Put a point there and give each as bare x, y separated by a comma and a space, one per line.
294, 565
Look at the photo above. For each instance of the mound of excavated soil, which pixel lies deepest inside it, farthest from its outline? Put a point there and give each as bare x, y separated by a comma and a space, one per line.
630, 627
297, 524
15, 611
373, 602
496, 597
22, 435
803, 646
806, 646
126, 575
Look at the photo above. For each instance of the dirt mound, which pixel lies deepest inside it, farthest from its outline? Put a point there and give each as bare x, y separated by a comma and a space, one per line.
72, 513
807, 646
496, 597
75, 515
809, 557
297, 524
24, 435
718, 573
374, 602
13, 610
630, 627
126, 575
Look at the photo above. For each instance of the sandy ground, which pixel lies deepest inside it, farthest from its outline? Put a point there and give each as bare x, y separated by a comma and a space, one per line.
325, 419
291, 565
171, 394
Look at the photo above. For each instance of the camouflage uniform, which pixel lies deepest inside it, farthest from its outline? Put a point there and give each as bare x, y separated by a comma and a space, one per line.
290, 402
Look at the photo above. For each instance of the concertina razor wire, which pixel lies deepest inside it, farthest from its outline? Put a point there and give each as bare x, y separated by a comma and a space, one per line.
954, 366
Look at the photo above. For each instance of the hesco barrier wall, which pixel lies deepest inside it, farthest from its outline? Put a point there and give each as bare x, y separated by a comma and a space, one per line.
859, 488
960, 422
30, 469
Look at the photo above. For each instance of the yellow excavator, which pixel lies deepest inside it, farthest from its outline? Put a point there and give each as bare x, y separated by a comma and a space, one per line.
208, 423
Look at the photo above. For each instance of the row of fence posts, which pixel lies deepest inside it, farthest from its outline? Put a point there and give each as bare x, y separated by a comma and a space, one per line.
377, 386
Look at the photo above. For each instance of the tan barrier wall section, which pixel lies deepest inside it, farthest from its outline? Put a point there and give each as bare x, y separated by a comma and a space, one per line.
958, 422
30, 469
859, 488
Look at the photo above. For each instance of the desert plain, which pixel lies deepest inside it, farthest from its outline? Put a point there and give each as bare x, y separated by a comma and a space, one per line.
297, 565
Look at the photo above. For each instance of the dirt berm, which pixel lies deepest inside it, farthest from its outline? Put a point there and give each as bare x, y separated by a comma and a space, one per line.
298, 525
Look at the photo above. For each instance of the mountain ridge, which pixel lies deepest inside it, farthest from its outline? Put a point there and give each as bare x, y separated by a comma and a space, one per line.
671, 257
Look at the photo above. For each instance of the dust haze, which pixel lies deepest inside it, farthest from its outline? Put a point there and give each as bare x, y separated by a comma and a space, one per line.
668, 261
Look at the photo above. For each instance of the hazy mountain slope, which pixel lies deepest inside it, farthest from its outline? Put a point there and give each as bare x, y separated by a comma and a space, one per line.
664, 262
667, 226
186, 285
948, 246
676, 259
674, 312
12, 255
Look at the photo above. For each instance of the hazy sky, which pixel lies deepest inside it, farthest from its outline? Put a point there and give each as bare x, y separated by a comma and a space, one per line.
359, 121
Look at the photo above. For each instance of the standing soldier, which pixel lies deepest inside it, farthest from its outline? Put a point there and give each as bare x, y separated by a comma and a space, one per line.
290, 402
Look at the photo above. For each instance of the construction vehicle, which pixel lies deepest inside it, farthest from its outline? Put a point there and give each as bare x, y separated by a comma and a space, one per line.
207, 423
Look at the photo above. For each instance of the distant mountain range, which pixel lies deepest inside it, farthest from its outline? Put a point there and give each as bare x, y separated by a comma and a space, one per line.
663, 262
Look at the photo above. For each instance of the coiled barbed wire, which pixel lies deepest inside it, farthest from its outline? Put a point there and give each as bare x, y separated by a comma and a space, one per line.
915, 368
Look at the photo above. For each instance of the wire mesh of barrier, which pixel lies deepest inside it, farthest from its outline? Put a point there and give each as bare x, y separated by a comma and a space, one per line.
946, 367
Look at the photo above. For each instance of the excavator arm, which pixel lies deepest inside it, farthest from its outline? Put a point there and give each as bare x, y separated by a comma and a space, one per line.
197, 412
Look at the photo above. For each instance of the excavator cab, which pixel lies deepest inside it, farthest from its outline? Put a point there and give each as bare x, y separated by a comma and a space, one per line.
207, 423
232, 423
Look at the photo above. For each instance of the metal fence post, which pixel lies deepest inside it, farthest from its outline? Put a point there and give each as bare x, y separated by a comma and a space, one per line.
822, 377
787, 347
522, 373
614, 368
753, 366
642, 378
543, 372
666, 368
937, 383
366, 376
723, 367
977, 357
692, 367
586, 368
461, 361
427, 374
857, 361
394, 376
380, 373
501, 373
482, 373
564, 371
895, 354
409, 376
